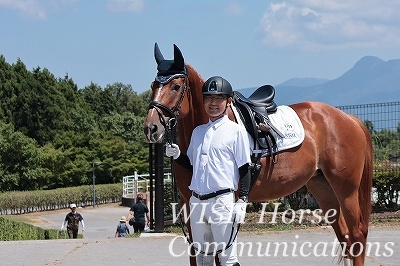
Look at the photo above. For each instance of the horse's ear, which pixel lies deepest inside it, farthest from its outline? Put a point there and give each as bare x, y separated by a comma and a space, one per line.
178, 57
157, 54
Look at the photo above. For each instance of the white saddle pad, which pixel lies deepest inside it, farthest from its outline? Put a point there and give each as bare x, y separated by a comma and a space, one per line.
289, 127
288, 123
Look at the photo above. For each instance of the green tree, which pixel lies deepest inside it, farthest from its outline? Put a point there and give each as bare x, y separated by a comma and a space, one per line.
20, 161
52, 132
7, 93
100, 102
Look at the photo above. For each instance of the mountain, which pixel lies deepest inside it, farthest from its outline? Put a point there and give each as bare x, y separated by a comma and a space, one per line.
303, 82
370, 80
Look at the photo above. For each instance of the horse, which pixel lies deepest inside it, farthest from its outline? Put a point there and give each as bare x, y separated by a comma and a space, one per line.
334, 161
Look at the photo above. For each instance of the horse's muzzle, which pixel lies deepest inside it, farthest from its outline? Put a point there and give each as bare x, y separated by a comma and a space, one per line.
153, 134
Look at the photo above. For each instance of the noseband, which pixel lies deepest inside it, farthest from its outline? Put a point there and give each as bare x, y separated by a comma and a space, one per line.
173, 113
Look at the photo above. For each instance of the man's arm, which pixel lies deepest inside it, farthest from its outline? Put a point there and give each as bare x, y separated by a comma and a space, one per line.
244, 187
148, 218
183, 161
244, 181
130, 214
172, 150
63, 224
83, 225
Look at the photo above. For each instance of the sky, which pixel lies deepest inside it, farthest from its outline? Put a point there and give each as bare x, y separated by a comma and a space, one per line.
249, 43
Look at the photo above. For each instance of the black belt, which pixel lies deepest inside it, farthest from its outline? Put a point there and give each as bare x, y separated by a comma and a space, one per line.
211, 195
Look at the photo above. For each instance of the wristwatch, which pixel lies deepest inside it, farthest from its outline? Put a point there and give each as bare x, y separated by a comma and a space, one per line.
244, 198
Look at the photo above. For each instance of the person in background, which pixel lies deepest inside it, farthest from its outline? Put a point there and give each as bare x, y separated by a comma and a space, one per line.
122, 228
140, 211
72, 220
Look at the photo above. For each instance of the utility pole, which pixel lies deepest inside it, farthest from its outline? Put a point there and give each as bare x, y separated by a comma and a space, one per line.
94, 182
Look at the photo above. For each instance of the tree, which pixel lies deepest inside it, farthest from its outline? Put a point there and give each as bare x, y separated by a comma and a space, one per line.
20, 161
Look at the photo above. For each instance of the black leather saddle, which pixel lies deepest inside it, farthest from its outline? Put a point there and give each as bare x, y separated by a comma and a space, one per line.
261, 100
253, 111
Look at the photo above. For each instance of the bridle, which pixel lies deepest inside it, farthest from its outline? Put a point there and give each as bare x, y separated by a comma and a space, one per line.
173, 113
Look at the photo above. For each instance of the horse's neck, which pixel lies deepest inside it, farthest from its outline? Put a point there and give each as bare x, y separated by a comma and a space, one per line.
230, 114
185, 129
196, 115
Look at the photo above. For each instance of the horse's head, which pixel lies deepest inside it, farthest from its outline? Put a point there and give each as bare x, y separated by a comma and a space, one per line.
168, 100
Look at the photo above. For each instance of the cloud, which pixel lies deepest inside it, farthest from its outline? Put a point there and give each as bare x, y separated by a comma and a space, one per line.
31, 9
125, 5
325, 24
38, 9
233, 9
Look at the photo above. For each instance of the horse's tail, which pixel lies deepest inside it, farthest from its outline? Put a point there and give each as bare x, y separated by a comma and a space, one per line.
365, 189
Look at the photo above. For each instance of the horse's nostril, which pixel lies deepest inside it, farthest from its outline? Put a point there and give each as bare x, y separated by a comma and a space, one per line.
154, 129
150, 129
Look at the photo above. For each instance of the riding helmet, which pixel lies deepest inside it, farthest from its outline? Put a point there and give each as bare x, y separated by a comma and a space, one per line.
217, 85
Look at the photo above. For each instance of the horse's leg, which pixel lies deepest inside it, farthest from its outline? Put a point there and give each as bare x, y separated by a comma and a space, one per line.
182, 181
192, 258
355, 195
358, 231
348, 187
350, 227
326, 198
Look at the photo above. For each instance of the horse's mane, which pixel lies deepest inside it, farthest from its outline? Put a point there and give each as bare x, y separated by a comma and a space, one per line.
194, 76
196, 115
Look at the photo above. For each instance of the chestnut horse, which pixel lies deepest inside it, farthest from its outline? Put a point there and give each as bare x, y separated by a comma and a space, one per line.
334, 161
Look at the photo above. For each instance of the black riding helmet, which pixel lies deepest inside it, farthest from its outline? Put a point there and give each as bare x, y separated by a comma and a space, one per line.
217, 85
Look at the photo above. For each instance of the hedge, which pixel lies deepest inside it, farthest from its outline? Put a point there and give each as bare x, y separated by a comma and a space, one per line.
12, 231
19, 202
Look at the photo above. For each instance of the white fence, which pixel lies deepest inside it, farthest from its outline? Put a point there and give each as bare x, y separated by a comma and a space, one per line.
133, 184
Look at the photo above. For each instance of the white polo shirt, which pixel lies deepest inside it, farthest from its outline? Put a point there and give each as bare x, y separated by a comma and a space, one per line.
216, 151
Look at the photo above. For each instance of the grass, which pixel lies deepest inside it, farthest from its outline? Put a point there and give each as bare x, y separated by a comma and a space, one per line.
287, 223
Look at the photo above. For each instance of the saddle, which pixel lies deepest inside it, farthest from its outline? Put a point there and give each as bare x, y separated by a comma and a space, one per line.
253, 112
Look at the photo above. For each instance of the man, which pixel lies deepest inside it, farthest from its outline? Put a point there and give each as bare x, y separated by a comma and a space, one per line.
219, 153
72, 220
140, 211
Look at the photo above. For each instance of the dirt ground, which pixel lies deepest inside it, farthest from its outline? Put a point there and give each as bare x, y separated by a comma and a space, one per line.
36, 218
253, 221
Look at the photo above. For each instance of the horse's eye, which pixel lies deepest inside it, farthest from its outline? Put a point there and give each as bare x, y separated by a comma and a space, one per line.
176, 87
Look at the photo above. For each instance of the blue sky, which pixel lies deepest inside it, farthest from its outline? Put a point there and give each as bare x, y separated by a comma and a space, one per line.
250, 43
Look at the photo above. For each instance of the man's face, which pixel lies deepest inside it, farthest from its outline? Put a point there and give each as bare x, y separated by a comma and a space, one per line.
215, 105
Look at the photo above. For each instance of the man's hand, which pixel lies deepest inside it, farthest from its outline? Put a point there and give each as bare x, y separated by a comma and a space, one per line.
172, 150
239, 210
